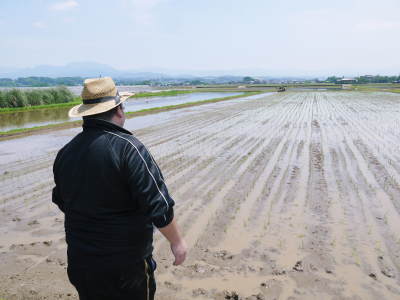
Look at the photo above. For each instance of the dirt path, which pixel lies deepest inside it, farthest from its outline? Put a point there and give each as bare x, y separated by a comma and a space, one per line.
292, 196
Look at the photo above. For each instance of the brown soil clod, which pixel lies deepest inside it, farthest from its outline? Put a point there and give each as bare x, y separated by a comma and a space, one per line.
61, 262
388, 273
231, 295
199, 292
223, 254
278, 272
256, 297
171, 286
385, 268
298, 266
34, 222
47, 243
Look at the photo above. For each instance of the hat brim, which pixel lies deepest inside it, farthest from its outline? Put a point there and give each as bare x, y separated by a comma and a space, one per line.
82, 110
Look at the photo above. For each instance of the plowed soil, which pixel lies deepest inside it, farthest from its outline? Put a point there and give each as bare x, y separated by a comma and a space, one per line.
292, 196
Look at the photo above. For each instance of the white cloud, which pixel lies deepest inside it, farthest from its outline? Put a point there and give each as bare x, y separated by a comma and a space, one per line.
69, 20
39, 24
65, 5
377, 25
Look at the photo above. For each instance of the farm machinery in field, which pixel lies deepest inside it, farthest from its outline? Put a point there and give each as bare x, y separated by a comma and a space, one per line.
281, 89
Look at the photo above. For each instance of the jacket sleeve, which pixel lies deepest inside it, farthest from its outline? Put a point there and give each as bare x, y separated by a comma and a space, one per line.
147, 186
56, 197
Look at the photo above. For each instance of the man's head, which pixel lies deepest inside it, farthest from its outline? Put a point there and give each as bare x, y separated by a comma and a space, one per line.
101, 100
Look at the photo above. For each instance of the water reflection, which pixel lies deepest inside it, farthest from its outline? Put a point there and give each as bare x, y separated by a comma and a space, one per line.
33, 118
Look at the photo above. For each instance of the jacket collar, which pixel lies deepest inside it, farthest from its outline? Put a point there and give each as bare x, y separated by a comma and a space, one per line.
93, 123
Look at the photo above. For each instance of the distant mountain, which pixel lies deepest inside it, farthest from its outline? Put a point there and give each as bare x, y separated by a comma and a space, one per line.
80, 69
93, 69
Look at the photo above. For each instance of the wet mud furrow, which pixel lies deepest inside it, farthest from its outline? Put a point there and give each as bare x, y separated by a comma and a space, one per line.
240, 151
224, 154
191, 190
365, 234
386, 156
386, 221
384, 195
253, 205
371, 132
349, 213
282, 224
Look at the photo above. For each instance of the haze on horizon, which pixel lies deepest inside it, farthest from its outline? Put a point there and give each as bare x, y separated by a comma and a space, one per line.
286, 38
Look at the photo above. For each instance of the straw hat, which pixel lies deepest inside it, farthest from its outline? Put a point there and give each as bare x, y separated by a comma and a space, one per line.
98, 95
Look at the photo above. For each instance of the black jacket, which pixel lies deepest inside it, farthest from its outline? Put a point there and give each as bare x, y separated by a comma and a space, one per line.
112, 192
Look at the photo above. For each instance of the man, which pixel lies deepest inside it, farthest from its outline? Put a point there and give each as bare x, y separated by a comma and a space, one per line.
113, 194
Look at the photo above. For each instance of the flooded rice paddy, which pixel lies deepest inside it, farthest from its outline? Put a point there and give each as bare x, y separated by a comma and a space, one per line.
288, 196
27, 119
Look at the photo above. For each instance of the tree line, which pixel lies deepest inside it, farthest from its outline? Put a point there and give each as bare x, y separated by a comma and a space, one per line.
19, 98
40, 81
35, 81
367, 79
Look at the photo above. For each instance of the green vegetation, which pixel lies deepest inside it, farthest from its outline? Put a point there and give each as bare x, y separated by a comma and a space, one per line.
161, 94
76, 101
17, 98
368, 79
36, 128
373, 88
40, 81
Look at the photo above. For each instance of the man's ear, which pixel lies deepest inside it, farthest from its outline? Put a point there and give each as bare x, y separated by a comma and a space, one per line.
120, 112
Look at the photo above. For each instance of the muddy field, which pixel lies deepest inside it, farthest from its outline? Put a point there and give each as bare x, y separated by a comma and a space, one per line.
291, 196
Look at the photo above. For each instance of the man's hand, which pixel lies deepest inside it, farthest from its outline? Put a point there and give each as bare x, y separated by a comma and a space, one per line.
178, 245
179, 250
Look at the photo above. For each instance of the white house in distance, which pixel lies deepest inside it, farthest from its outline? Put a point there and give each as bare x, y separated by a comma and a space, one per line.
347, 82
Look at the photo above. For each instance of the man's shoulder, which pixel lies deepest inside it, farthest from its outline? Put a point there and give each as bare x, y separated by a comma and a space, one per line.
126, 139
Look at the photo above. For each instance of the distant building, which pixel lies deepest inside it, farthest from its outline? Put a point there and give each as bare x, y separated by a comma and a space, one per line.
347, 80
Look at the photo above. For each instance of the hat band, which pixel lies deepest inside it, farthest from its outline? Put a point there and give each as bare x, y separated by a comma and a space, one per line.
117, 99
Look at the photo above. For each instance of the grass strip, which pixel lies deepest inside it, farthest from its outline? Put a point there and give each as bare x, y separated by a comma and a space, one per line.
375, 89
36, 107
19, 132
36, 128
161, 94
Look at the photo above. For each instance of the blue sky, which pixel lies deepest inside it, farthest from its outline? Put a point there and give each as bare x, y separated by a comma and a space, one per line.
291, 37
